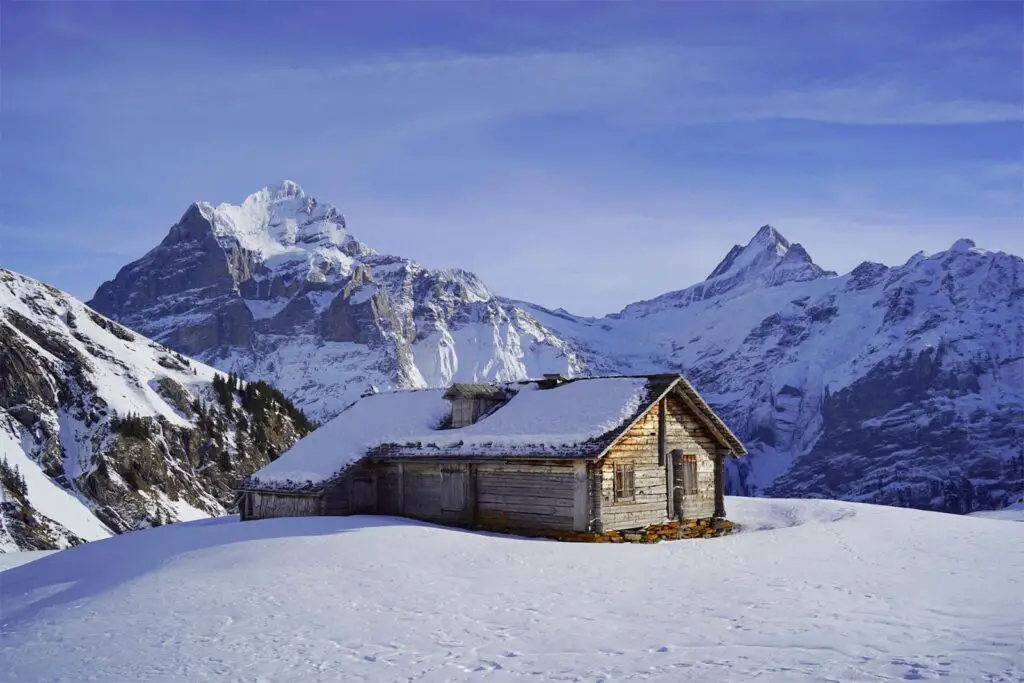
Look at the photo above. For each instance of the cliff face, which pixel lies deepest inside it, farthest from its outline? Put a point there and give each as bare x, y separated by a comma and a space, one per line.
104, 431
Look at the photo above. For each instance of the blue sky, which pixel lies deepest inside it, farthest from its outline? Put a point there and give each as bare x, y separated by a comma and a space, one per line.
582, 155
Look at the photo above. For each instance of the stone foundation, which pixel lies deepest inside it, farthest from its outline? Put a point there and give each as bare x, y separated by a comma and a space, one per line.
667, 531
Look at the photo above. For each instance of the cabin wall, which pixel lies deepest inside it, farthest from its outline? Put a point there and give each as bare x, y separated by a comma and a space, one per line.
640, 447
532, 495
504, 494
423, 494
637, 447
353, 493
686, 432
264, 505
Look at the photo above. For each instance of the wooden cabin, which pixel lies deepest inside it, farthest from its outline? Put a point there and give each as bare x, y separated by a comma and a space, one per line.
587, 454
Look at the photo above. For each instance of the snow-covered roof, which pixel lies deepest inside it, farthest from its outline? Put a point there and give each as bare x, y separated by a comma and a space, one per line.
578, 418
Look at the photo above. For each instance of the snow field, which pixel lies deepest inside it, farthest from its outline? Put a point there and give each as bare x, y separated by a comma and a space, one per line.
810, 590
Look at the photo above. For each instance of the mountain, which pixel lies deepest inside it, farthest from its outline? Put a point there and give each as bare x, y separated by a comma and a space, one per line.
900, 385
104, 431
808, 590
278, 287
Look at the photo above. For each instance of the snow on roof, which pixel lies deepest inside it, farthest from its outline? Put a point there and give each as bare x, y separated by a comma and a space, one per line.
539, 421
556, 421
370, 421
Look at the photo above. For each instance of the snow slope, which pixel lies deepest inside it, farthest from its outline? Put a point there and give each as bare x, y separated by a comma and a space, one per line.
810, 590
66, 374
12, 560
1011, 513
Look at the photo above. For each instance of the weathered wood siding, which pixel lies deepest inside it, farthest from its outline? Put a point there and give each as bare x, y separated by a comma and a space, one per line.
685, 432
343, 497
466, 411
263, 505
640, 447
541, 494
637, 447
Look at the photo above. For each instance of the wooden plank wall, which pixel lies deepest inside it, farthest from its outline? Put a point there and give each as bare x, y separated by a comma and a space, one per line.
338, 497
684, 431
419, 487
266, 505
528, 495
501, 494
639, 447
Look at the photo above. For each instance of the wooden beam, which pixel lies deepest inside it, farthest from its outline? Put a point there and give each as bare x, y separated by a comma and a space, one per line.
719, 483
661, 431
401, 488
579, 507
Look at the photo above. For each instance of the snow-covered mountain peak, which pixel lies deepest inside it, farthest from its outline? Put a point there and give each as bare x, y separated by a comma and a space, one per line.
766, 249
278, 192
278, 219
964, 245
768, 259
277, 287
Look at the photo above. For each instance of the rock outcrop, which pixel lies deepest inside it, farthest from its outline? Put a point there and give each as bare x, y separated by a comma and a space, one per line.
103, 431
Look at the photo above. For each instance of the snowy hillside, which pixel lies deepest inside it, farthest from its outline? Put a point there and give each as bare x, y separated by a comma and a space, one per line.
900, 385
807, 591
277, 287
103, 431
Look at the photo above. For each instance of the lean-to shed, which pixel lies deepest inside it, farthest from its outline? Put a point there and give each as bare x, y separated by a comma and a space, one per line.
585, 454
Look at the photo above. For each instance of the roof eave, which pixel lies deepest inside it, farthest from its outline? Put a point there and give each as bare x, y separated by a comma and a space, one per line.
699, 406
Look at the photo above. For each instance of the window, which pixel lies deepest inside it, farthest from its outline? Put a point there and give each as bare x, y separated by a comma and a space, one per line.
624, 482
689, 471
454, 482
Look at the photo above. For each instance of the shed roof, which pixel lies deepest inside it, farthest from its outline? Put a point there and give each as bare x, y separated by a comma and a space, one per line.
487, 391
579, 418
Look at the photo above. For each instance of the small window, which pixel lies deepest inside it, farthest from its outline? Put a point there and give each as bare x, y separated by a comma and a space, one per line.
624, 482
689, 467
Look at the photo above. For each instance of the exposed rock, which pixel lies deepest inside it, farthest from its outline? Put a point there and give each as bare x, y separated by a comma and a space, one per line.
113, 432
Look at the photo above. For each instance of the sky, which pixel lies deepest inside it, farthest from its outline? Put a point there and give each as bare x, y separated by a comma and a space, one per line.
577, 155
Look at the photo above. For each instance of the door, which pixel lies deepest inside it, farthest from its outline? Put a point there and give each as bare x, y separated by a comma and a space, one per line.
364, 495
454, 487
684, 479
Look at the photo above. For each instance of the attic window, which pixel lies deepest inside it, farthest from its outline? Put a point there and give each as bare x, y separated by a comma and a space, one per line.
625, 488
470, 402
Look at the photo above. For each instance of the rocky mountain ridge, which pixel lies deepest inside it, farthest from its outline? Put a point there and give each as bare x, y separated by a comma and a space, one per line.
900, 385
278, 287
103, 431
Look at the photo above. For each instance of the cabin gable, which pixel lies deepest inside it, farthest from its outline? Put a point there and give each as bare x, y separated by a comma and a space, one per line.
663, 467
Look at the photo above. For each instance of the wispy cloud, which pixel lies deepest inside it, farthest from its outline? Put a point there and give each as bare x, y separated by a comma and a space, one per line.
518, 137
